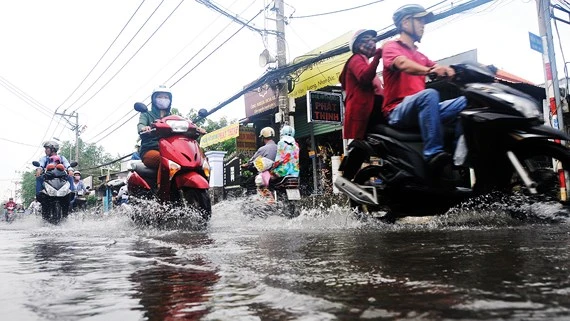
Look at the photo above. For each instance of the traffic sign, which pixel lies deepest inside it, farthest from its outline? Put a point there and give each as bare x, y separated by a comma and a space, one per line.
535, 42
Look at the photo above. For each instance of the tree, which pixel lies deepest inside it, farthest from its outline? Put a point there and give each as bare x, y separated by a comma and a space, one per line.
28, 187
211, 125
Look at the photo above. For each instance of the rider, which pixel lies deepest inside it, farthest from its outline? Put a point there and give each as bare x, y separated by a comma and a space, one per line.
407, 102
267, 151
50, 149
287, 159
10, 203
35, 207
161, 102
79, 198
359, 80
363, 94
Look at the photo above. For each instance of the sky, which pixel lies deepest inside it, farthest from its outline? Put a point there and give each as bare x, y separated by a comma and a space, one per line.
50, 47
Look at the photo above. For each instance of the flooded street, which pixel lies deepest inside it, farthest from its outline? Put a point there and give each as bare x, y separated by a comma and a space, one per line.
323, 265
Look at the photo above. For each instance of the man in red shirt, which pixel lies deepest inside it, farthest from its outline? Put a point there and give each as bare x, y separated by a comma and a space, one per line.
407, 102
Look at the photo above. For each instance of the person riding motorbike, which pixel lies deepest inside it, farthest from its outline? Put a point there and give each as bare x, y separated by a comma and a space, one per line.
287, 157
268, 152
10, 204
364, 92
79, 197
407, 102
51, 157
161, 102
34, 207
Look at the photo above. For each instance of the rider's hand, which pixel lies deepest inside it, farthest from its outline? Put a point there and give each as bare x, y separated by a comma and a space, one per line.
145, 129
201, 130
443, 71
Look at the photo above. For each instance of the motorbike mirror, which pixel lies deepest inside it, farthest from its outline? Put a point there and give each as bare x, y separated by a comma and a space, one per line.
202, 113
36, 163
141, 107
73, 164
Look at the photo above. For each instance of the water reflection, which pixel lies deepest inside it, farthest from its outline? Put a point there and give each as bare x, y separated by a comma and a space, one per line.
175, 287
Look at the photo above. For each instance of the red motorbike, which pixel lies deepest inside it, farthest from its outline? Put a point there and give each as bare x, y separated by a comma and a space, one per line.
182, 177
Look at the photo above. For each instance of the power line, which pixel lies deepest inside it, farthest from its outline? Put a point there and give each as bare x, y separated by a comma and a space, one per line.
131, 58
336, 11
105, 53
159, 70
15, 142
117, 56
179, 79
216, 49
30, 101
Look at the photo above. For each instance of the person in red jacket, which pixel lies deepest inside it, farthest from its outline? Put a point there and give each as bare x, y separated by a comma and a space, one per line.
10, 204
362, 85
363, 93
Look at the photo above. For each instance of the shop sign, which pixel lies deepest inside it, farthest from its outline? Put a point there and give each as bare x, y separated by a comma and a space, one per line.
246, 141
259, 100
220, 135
324, 107
322, 73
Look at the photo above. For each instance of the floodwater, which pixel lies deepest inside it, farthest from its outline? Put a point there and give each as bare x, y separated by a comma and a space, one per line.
474, 264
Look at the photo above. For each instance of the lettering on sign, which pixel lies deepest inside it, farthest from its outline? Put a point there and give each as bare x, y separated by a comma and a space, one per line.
324, 107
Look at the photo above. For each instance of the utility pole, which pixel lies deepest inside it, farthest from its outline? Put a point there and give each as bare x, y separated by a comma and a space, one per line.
283, 93
551, 81
550, 73
74, 127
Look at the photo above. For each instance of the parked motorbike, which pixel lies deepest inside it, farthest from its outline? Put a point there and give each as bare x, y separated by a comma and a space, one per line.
280, 197
508, 149
182, 177
56, 193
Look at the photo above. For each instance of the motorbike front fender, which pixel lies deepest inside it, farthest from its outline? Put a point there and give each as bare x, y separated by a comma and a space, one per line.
192, 180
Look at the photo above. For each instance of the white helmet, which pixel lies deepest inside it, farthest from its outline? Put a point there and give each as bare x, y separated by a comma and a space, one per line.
158, 90
287, 131
267, 132
358, 34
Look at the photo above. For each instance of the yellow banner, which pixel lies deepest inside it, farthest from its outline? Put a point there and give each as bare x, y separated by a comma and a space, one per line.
323, 73
220, 135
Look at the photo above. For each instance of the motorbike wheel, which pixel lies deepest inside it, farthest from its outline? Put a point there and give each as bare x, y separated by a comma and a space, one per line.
199, 199
536, 158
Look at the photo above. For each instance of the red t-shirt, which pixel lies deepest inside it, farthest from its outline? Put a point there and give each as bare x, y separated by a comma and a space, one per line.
398, 84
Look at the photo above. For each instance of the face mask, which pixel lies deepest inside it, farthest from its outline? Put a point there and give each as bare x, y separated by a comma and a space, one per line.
367, 48
162, 103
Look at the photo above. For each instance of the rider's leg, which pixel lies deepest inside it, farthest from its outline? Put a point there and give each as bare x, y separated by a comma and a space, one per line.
449, 111
421, 109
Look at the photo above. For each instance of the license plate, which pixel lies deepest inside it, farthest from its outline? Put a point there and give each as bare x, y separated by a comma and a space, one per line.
293, 194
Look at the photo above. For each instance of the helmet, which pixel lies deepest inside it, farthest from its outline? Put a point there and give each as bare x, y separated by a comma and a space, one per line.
55, 159
161, 89
267, 132
357, 34
51, 144
287, 131
77, 173
414, 10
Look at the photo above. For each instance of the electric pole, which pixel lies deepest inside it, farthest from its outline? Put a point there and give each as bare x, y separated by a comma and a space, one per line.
550, 73
283, 93
551, 81
74, 127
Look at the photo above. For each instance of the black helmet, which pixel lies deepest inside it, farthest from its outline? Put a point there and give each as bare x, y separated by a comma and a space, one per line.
54, 146
414, 10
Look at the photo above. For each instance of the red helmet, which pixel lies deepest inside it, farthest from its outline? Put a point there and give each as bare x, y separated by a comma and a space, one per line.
55, 159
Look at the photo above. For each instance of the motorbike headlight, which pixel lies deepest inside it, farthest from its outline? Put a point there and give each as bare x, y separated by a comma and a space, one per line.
523, 105
173, 168
178, 126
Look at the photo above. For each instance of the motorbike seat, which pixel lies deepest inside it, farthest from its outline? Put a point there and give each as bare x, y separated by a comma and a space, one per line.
401, 135
286, 182
145, 171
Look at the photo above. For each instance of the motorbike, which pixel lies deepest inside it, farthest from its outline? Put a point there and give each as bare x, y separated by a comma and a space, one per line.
56, 193
182, 177
10, 213
281, 196
508, 150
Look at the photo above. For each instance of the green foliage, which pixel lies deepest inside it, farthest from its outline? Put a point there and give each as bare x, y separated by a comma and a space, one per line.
210, 126
28, 187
